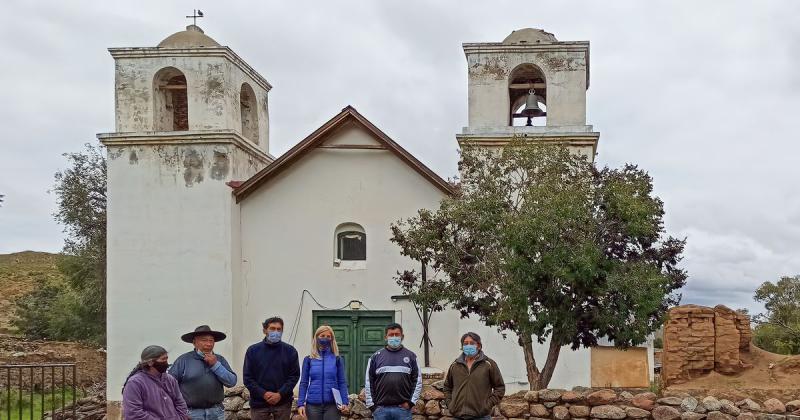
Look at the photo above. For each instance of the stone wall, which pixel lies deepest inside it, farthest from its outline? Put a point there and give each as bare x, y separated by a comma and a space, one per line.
556, 404
699, 339
580, 403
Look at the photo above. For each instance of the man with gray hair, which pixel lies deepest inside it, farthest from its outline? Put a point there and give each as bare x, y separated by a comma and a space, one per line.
149, 393
471, 379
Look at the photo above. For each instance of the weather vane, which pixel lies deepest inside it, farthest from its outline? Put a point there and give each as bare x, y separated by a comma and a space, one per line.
197, 13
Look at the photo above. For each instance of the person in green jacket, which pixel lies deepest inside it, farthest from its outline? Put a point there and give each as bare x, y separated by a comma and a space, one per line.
474, 384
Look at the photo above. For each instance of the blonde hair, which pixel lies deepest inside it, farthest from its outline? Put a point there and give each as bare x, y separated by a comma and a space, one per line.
315, 347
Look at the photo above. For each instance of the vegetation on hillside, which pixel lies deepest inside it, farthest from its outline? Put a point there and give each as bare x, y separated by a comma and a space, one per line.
74, 309
21, 273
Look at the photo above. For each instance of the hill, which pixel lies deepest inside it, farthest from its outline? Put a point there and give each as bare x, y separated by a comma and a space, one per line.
20, 272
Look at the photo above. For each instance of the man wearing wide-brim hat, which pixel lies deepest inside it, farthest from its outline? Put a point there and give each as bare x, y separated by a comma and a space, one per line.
202, 374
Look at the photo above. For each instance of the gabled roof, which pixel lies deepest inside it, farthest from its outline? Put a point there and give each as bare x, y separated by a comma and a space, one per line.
318, 137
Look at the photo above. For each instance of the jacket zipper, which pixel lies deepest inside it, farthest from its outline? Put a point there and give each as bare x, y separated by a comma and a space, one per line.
322, 382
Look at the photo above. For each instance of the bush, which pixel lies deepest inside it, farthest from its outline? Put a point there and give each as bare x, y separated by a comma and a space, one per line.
55, 310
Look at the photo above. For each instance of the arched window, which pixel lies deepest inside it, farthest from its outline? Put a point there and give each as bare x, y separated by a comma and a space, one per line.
249, 108
171, 103
527, 94
351, 246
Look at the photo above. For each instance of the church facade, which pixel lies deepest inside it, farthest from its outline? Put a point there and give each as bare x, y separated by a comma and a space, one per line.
205, 226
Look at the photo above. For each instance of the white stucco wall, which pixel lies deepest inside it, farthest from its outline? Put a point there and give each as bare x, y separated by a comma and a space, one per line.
170, 240
287, 246
288, 241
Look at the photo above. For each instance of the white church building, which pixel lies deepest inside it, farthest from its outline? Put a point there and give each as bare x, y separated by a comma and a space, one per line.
205, 226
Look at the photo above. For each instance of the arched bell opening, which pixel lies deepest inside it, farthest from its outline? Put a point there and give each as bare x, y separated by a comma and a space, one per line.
527, 94
249, 112
171, 101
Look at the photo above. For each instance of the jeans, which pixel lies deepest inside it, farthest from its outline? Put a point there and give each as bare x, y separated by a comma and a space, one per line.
213, 413
280, 412
322, 412
391, 413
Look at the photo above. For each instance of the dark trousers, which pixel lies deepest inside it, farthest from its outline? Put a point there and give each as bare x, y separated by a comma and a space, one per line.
322, 412
280, 412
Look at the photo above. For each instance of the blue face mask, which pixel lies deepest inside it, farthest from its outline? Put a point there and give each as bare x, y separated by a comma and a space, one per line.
470, 349
324, 343
274, 336
394, 342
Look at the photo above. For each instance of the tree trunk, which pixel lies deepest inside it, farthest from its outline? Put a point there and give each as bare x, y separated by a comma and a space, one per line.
550, 363
530, 362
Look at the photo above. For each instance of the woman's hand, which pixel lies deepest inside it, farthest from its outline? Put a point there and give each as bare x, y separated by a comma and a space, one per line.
301, 411
344, 409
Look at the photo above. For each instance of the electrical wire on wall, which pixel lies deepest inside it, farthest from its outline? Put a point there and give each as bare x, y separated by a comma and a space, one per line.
296, 324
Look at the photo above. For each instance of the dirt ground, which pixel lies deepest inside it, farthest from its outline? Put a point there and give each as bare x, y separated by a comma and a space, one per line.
768, 371
91, 361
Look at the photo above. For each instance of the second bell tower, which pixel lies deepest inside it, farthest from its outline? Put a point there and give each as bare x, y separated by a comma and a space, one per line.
530, 86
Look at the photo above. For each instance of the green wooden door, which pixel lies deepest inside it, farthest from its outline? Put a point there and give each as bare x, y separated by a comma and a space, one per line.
359, 334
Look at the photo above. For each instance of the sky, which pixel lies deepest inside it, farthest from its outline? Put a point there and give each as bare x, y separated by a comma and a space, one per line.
704, 95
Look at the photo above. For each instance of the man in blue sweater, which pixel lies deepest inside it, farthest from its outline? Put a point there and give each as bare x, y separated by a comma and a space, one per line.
393, 380
271, 370
202, 374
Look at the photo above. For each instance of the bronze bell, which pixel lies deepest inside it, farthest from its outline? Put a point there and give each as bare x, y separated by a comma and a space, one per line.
532, 109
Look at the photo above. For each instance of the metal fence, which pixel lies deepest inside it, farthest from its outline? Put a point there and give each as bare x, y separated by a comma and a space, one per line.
27, 389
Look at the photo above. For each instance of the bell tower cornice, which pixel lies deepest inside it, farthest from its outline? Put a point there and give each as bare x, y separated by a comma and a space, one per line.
206, 52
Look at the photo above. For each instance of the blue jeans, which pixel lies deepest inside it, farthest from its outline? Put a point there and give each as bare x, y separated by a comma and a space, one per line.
213, 413
391, 413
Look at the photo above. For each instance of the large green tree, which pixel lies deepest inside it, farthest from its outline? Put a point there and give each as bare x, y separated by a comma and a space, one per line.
74, 309
539, 242
778, 329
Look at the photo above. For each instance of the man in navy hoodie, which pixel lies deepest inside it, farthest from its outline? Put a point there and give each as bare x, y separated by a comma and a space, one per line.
271, 370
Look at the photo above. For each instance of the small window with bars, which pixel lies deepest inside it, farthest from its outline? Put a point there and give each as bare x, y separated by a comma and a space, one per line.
351, 245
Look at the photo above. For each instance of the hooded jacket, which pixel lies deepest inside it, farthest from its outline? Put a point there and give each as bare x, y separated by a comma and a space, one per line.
473, 392
153, 397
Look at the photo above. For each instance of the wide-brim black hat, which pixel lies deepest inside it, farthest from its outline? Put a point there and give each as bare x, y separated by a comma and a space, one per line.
203, 330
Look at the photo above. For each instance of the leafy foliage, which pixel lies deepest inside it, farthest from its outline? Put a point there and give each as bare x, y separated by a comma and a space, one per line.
778, 329
541, 243
74, 310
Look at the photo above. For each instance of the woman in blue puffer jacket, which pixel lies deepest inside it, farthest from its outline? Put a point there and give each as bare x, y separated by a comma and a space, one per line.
323, 376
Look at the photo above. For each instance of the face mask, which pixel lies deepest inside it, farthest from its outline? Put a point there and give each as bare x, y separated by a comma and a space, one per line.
161, 367
394, 342
324, 343
274, 336
470, 349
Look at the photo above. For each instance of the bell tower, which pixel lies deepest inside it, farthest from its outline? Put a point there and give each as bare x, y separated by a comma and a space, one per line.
530, 85
190, 117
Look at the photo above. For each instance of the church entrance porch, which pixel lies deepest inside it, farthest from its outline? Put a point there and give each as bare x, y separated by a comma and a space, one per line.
359, 334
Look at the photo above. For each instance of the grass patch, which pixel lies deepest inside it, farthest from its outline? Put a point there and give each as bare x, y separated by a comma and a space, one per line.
22, 402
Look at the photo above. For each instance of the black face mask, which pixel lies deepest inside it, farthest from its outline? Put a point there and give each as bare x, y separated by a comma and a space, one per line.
161, 366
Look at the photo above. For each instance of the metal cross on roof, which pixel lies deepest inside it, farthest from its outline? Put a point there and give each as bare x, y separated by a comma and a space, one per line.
197, 13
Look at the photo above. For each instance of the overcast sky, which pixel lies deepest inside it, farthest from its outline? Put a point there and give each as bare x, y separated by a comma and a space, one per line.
703, 95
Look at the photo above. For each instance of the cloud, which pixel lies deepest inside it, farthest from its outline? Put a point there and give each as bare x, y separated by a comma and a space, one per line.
702, 96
